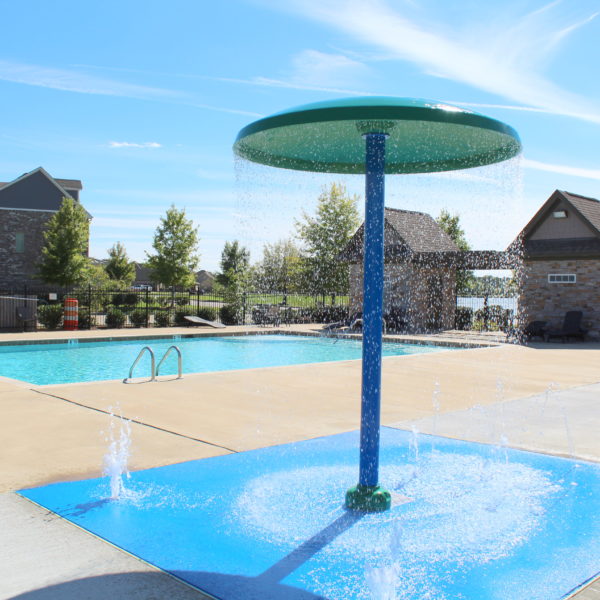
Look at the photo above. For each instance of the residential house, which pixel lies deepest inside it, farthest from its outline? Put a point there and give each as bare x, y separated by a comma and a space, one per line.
26, 205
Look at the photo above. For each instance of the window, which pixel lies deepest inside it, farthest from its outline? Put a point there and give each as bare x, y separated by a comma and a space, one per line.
20, 243
562, 278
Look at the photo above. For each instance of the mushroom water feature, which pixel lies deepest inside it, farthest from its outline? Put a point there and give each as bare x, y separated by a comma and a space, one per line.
375, 136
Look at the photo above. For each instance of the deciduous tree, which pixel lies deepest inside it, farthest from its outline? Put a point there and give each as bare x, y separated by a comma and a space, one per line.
64, 255
325, 235
119, 267
176, 250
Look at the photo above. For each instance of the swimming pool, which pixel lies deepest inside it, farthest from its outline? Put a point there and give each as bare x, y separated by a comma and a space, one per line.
69, 362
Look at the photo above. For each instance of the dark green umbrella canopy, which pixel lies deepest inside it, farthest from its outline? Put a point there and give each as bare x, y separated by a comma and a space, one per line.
424, 136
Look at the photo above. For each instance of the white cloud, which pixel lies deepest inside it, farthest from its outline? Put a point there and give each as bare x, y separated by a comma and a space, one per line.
562, 169
320, 69
134, 145
498, 59
73, 81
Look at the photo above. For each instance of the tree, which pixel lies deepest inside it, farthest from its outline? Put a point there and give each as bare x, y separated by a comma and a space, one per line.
64, 255
280, 269
176, 246
451, 225
119, 267
325, 235
235, 260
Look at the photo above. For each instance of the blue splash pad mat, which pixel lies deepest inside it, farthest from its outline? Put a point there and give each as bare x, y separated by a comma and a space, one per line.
469, 521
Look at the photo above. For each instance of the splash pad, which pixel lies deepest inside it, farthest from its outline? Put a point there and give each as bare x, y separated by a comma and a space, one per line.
375, 136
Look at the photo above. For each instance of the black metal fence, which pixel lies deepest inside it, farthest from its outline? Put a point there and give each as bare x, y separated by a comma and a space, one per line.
99, 308
486, 313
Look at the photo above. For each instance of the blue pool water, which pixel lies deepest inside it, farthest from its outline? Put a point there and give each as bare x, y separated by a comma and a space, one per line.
468, 521
44, 364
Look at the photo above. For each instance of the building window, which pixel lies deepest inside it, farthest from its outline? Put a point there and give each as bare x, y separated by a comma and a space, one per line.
562, 278
20, 243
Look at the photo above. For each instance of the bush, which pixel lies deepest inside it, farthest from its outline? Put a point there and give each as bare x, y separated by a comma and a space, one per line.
180, 317
182, 301
50, 316
130, 299
463, 318
210, 314
230, 314
162, 319
497, 317
86, 320
138, 317
115, 318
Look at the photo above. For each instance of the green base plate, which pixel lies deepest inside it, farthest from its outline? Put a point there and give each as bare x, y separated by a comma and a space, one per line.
368, 498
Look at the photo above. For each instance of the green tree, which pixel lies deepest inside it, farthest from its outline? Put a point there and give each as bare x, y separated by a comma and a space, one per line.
281, 268
451, 225
119, 267
176, 245
325, 235
235, 260
64, 255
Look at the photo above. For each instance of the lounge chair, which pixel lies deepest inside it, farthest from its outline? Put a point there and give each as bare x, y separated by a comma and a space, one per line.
349, 322
27, 314
200, 321
534, 329
571, 327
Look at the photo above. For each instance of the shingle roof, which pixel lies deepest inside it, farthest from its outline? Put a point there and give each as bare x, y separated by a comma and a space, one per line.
588, 207
419, 231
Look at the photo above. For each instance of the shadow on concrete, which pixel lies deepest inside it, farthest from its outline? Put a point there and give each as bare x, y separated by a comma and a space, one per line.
152, 585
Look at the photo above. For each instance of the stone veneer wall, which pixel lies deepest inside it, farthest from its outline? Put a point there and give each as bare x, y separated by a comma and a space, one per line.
407, 287
543, 301
17, 269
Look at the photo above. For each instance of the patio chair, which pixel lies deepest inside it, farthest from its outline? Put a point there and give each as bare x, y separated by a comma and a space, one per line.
272, 315
571, 327
27, 314
352, 319
534, 329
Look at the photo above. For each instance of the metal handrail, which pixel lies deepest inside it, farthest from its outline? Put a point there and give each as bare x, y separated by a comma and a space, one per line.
137, 360
179, 361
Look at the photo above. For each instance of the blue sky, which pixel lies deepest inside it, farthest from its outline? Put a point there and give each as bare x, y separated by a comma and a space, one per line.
142, 101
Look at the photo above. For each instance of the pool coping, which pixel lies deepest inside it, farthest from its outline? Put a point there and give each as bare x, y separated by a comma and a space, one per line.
416, 340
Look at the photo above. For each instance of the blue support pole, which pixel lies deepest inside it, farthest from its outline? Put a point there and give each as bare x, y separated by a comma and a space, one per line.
367, 495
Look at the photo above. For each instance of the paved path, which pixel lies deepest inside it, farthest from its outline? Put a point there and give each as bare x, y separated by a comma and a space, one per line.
53, 433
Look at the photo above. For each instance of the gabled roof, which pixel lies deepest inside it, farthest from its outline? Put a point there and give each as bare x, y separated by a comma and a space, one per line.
407, 234
586, 208
37, 190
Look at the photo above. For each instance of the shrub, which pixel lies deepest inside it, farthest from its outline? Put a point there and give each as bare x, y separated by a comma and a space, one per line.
130, 299
210, 314
86, 319
463, 318
162, 319
230, 314
182, 301
138, 317
180, 317
497, 317
115, 318
50, 316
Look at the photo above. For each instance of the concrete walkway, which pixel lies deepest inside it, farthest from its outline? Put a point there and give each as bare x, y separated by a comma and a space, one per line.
542, 398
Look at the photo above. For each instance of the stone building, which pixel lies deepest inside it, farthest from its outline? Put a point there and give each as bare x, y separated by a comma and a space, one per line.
419, 287
561, 261
26, 205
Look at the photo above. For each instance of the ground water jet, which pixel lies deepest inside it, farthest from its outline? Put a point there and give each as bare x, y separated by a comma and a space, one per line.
375, 136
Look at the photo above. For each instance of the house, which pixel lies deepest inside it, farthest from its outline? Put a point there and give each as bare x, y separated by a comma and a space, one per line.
560, 270
26, 205
417, 286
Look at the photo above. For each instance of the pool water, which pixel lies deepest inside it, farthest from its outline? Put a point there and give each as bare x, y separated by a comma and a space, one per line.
468, 521
74, 362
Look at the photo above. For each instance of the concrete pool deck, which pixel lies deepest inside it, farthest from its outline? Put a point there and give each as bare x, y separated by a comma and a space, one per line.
542, 397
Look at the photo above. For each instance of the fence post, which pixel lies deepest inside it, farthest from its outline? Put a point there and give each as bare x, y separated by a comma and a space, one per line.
486, 312
89, 305
197, 301
244, 299
147, 308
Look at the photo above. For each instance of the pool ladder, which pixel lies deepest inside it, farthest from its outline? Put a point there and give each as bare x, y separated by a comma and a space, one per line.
154, 368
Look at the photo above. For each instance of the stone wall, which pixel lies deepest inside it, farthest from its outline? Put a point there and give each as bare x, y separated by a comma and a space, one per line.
426, 294
540, 300
20, 268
